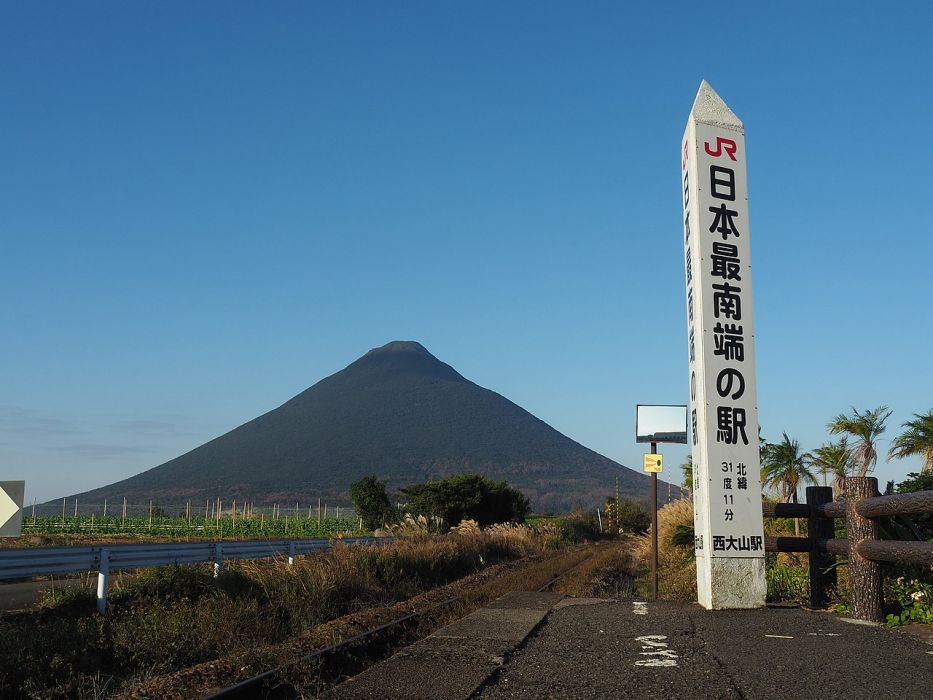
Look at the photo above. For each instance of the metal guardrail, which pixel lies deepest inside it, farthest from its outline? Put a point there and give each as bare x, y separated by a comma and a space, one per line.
864, 548
47, 561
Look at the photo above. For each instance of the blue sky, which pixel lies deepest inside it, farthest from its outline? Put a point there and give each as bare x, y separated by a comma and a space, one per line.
208, 207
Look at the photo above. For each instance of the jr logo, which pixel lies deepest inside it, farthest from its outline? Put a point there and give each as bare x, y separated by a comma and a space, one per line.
727, 145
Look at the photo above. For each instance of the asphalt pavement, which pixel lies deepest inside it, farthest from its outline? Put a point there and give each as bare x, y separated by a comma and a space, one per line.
547, 647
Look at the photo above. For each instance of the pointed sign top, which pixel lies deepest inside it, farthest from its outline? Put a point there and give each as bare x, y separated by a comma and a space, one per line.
708, 108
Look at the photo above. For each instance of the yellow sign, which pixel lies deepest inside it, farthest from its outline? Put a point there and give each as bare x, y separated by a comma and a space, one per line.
653, 463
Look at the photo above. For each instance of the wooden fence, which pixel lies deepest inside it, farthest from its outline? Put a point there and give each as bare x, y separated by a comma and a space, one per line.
864, 511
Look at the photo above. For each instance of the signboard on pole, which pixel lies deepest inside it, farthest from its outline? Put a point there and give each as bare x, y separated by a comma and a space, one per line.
653, 463
723, 420
11, 508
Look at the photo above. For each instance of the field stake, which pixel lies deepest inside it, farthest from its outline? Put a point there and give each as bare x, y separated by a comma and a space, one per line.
105, 507
63, 513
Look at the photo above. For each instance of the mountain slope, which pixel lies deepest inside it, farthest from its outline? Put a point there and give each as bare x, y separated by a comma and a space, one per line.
398, 412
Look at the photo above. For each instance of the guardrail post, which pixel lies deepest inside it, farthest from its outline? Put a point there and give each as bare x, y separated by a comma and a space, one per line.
291, 553
218, 558
822, 572
864, 574
103, 581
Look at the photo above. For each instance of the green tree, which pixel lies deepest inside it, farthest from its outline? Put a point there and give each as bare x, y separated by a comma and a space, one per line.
834, 458
371, 502
468, 497
785, 468
917, 439
865, 427
687, 469
633, 516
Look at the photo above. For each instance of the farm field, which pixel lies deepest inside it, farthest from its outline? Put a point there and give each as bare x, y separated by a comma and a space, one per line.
188, 528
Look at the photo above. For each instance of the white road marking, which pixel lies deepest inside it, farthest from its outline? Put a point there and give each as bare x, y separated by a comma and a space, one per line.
653, 645
639, 607
778, 636
824, 634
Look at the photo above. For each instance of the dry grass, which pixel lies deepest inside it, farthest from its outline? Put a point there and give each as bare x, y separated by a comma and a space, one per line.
611, 572
676, 564
170, 618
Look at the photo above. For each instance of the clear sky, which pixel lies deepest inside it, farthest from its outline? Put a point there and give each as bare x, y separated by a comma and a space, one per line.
207, 207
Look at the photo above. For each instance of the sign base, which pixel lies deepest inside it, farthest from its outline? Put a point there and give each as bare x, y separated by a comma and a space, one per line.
730, 583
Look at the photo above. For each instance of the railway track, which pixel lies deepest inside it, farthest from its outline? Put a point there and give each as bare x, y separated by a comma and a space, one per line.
272, 683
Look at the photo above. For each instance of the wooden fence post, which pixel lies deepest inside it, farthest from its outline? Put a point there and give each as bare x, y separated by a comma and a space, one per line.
864, 575
822, 576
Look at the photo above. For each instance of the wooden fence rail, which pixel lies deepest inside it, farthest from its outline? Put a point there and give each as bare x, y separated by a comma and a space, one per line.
864, 548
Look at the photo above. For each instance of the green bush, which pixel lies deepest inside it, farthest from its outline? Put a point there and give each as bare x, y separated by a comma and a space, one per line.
579, 526
371, 502
468, 497
786, 583
915, 600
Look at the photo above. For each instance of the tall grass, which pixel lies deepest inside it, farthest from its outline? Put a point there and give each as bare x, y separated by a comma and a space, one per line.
677, 571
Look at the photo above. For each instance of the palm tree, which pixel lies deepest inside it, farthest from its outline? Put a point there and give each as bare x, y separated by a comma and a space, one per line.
687, 469
917, 439
865, 428
834, 458
785, 467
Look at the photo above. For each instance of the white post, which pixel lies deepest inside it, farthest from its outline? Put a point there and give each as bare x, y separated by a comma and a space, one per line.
218, 558
291, 553
103, 581
729, 536
600, 518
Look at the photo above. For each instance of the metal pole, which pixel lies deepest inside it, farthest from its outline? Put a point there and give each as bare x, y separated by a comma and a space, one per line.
654, 528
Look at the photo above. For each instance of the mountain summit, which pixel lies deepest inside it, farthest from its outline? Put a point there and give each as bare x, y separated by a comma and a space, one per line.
398, 412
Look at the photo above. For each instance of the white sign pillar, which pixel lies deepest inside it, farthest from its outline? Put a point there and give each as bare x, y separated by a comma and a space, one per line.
723, 420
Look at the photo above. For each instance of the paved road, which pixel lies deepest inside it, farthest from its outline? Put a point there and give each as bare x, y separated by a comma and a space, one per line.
624, 649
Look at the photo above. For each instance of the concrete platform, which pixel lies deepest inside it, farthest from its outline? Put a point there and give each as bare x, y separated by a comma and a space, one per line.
456, 660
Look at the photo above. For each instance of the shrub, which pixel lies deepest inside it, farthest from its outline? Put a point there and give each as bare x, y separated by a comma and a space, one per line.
371, 502
786, 582
677, 576
468, 497
579, 526
915, 600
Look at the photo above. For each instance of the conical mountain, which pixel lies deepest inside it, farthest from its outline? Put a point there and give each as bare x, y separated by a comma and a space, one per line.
398, 412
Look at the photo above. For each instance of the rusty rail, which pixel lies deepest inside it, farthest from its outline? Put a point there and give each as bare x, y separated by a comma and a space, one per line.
864, 549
